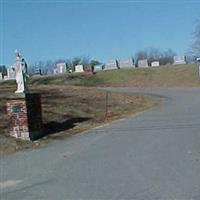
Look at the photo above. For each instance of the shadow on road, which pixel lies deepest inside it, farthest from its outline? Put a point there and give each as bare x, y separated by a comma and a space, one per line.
56, 127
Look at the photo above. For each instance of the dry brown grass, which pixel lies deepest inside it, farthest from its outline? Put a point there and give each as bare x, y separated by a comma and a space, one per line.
68, 110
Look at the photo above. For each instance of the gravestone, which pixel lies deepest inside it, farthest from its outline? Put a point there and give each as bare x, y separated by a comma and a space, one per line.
126, 63
37, 72
179, 60
10, 74
143, 63
155, 64
24, 108
111, 65
79, 68
98, 68
60, 68
88, 69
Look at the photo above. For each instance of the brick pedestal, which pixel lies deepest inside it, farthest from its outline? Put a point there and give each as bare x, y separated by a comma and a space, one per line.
25, 116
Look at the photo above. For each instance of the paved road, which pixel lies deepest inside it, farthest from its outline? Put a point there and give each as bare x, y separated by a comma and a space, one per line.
154, 155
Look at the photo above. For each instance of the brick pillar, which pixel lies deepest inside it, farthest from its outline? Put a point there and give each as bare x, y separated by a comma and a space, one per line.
25, 116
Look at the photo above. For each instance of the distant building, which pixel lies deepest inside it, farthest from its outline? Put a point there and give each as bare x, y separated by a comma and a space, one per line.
126, 63
143, 63
179, 60
155, 64
60, 68
111, 64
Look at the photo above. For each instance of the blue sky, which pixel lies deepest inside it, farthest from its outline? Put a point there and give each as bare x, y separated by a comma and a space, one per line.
102, 30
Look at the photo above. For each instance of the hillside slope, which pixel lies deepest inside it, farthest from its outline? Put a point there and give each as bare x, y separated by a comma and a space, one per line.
163, 76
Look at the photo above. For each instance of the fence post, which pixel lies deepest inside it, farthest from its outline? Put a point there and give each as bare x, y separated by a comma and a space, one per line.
106, 109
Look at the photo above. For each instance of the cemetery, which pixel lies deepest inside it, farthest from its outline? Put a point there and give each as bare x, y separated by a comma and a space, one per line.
67, 104
32, 110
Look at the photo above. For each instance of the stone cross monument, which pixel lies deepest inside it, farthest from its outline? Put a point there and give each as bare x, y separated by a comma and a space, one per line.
24, 109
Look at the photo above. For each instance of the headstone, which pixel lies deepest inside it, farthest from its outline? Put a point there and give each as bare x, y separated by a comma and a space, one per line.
55, 71
1, 76
79, 68
143, 63
37, 72
60, 68
155, 64
10, 73
88, 69
126, 63
179, 60
98, 68
111, 64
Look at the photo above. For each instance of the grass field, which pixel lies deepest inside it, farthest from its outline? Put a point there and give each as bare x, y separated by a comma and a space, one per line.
68, 110
163, 76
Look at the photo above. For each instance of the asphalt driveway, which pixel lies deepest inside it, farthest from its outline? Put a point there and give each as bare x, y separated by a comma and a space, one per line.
153, 155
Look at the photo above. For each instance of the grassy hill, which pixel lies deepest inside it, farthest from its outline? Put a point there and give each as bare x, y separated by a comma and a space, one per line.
164, 76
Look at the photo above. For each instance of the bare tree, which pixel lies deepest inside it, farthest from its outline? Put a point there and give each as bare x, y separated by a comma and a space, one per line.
167, 57
76, 61
154, 54
142, 54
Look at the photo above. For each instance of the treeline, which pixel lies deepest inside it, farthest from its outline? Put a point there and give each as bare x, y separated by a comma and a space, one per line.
154, 54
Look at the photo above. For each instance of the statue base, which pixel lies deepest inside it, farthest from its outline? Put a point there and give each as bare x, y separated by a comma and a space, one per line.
25, 116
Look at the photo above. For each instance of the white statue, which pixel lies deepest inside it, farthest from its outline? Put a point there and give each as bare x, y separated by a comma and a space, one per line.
20, 68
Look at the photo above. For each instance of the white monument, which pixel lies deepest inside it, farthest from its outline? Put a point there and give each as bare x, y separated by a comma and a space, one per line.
10, 73
98, 68
60, 68
155, 64
79, 68
111, 64
179, 60
20, 68
126, 63
143, 63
